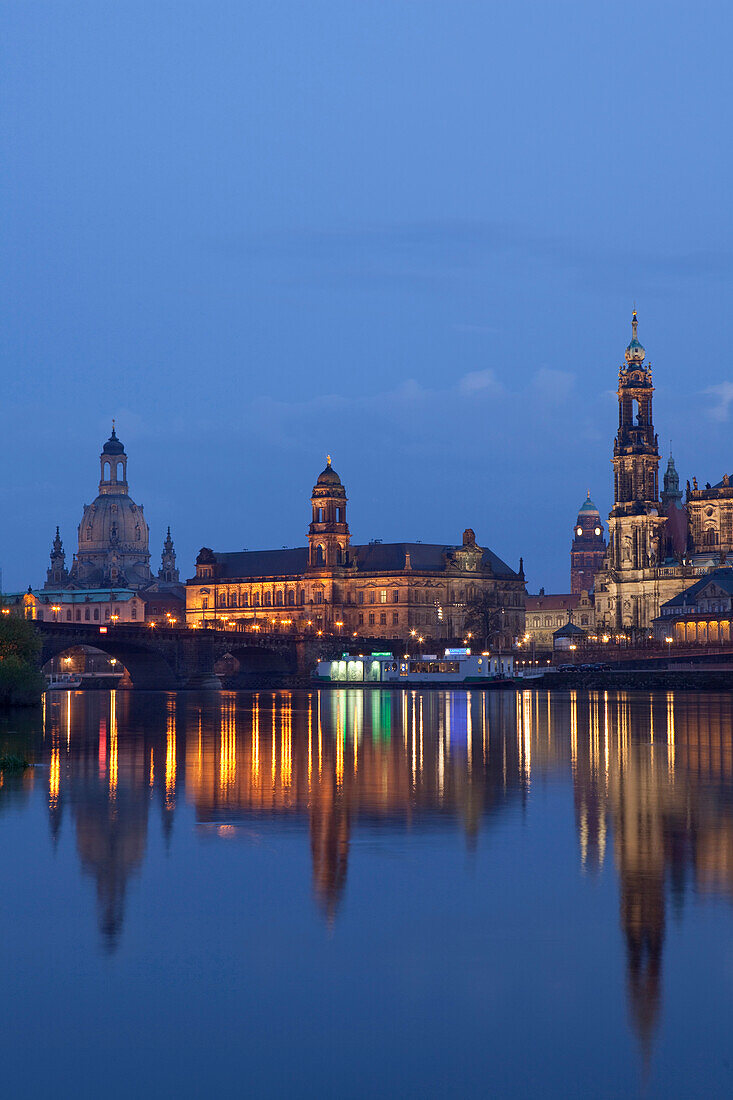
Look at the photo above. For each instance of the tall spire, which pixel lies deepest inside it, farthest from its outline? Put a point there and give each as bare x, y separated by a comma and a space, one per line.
634, 353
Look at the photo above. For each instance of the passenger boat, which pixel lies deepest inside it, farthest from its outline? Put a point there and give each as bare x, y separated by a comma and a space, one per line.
456, 666
63, 681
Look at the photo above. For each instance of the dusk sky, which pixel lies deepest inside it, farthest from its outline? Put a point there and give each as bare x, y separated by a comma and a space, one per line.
408, 234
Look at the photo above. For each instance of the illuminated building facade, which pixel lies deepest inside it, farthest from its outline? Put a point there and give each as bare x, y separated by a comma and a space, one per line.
88, 606
546, 614
381, 590
657, 547
703, 613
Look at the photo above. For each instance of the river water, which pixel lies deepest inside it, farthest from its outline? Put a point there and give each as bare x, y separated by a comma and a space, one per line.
369, 893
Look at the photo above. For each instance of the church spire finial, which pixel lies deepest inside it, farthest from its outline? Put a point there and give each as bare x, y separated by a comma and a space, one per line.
328, 460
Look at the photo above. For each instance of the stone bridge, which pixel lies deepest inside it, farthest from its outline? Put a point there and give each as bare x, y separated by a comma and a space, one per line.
165, 659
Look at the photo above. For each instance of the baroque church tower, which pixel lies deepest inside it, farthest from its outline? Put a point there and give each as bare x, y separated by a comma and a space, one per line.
635, 578
635, 523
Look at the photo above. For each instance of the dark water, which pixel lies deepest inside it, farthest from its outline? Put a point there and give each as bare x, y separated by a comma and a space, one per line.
378, 893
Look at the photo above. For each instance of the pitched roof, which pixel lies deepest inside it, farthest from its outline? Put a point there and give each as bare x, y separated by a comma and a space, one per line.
568, 630
722, 577
553, 602
377, 557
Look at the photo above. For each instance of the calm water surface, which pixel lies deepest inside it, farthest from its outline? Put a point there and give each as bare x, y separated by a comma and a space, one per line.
350, 893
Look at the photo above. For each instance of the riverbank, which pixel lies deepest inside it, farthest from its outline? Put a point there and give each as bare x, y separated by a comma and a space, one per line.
637, 680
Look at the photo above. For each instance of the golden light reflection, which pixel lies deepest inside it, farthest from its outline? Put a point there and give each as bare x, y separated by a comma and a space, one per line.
113, 749
170, 756
227, 742
54, 775
286, 741
310, 740
255, 763
670, 731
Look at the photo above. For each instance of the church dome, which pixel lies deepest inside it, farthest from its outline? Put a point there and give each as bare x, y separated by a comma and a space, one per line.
588, 506
634, 353
112, 520
329, 475
113, 534
113, 445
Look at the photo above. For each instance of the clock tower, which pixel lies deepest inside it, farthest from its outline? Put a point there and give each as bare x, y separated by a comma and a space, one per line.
588, 548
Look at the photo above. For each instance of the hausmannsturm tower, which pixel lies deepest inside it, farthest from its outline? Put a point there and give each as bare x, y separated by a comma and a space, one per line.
632, 583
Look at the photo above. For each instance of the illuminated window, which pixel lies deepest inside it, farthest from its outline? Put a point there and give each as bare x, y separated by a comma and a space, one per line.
383, 596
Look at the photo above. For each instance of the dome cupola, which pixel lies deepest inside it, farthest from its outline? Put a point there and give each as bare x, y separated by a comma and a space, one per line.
328, 476
635, 353
113, 466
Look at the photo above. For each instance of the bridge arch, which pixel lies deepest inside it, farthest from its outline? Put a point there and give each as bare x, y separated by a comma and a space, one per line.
147, 666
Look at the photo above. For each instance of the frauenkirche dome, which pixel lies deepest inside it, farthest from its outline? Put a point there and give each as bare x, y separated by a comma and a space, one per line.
113, 534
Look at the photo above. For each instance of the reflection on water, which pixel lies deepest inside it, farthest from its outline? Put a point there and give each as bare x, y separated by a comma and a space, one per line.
651, 776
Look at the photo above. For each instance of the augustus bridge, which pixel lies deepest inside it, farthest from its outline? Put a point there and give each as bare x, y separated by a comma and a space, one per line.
169, 658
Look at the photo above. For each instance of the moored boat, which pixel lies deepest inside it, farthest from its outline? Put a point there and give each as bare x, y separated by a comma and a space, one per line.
63, 681
455, 666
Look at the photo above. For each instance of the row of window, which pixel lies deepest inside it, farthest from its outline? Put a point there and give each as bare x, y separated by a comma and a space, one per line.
91, 614
382, 618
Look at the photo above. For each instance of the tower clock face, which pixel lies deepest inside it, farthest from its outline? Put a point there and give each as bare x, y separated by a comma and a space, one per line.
598, 530
578, 530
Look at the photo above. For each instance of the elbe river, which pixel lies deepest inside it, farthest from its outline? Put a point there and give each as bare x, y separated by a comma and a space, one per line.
356, 893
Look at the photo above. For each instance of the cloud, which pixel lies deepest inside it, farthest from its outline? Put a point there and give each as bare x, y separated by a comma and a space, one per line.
724, 392
478, 380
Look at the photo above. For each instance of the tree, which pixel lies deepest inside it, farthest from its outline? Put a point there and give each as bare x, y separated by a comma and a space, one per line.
485, 617
20, 678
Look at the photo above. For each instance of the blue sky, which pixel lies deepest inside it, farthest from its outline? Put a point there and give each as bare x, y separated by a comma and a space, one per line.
409, 234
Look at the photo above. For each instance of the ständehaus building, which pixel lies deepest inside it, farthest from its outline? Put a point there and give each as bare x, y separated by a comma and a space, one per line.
379, 590
657, 546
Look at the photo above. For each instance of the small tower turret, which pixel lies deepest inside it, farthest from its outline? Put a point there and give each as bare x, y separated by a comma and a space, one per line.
168, 571
328, 534
57, 575
588, 548
671, 492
